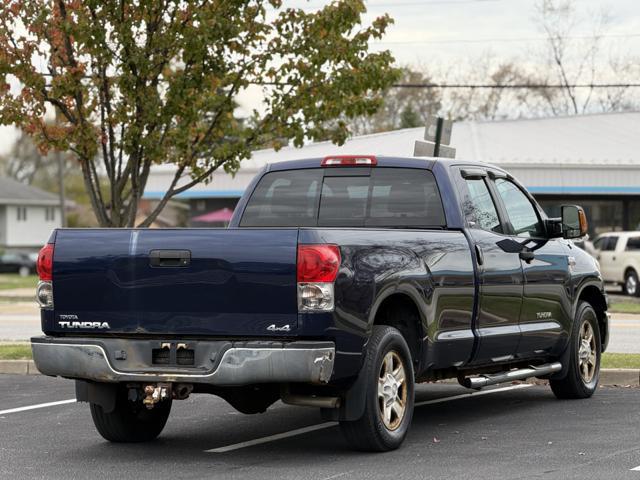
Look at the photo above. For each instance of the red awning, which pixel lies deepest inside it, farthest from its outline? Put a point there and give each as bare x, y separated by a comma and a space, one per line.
223, 215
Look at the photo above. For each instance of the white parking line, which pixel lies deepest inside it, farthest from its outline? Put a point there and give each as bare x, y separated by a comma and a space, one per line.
321, 426
272, 438
636, 469
475, 394
40, 405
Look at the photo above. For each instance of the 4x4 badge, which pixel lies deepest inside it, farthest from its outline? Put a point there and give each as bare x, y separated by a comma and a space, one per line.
284, 328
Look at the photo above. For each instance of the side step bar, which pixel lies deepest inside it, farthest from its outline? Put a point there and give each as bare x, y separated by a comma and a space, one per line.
520, 374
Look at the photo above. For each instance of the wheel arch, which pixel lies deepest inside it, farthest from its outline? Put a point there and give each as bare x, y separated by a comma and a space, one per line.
594, 296
629, 268
387, 311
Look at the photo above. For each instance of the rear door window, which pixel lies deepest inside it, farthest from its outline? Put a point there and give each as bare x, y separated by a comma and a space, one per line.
633, 244
381, 197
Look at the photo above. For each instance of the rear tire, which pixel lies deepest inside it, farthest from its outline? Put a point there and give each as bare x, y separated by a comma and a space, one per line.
130, 421
631, 284
388, 411
585, 347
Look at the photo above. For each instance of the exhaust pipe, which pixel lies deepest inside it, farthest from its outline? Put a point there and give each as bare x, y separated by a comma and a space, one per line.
181, 391
520, 374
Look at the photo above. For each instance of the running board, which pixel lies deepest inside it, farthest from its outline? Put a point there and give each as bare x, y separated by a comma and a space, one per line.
520, 374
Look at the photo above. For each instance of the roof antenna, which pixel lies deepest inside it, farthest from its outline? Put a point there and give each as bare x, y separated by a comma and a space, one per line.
437, 137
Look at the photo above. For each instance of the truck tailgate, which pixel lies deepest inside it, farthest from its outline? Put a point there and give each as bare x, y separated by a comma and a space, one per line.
187, 281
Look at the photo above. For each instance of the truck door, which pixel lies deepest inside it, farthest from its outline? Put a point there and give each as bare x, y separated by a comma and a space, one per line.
499, 271
545, 317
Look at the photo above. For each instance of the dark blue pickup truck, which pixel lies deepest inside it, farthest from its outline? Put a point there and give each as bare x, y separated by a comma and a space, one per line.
339, 284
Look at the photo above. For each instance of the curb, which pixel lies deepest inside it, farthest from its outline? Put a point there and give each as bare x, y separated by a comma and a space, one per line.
619, 377
18, 367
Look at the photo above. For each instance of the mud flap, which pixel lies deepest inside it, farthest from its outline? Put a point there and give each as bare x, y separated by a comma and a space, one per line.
352, 404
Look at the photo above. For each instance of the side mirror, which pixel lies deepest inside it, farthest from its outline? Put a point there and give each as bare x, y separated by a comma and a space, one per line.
574, 222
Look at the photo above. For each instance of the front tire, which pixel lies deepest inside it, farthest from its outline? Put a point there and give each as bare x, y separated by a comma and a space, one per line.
585, 347
130, 421
631, 284
389, 397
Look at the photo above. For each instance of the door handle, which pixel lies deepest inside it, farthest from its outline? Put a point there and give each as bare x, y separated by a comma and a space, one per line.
169, 258
479, 255
527, 256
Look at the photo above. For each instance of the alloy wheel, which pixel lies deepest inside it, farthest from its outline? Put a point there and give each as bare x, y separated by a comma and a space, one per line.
587, 352
392, 390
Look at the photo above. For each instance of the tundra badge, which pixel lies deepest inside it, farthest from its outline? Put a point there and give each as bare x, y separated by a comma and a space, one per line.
67, 323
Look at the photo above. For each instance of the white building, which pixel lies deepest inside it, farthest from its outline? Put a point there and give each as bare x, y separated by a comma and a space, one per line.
591, 160
27, 216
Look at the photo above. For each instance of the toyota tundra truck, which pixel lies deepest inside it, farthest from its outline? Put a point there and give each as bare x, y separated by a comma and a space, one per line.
340, 283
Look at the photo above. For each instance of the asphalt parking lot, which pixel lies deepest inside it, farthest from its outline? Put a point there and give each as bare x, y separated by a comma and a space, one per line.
514, 432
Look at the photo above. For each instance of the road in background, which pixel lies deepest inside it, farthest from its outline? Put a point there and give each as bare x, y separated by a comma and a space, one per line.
21, 321
522, 433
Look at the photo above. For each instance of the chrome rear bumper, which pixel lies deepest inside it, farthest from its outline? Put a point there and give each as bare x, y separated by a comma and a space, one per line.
228, 363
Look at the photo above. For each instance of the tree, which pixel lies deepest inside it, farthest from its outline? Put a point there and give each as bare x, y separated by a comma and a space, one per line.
402, 107
143, 82
23, 162
570, 62
409, 118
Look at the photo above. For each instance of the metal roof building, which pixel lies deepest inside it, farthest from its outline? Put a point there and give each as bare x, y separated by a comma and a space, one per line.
593, 160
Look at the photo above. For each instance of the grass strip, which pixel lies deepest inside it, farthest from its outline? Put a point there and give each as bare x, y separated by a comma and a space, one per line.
15, 351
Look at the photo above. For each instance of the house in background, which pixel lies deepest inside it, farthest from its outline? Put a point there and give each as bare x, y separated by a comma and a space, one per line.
27, 216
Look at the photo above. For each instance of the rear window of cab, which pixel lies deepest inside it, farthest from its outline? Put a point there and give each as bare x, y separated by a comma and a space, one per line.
346, 197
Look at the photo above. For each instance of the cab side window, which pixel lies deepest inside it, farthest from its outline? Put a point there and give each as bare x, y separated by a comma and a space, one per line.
606, 244
522, 215
479, 207
612, 243
600, 242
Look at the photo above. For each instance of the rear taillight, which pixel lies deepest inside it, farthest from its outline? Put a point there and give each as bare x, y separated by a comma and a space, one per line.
318, 263
349, 161
44, 266
318, 267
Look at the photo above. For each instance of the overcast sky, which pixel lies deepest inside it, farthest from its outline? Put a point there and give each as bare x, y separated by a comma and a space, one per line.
445, 32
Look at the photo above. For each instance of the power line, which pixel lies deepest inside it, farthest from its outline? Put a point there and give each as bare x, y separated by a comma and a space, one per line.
505, 40
457, 85
515, 85
423, 3
487, 85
